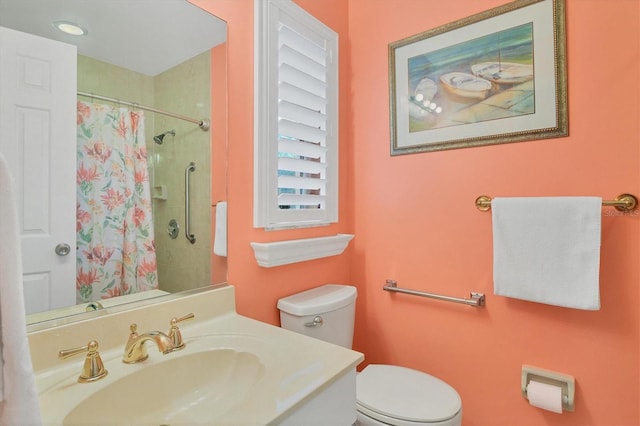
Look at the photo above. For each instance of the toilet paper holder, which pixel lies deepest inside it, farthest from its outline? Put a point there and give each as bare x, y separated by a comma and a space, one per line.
564, 381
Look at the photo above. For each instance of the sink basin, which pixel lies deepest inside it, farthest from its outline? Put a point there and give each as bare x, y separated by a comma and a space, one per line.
234, 370
189, 389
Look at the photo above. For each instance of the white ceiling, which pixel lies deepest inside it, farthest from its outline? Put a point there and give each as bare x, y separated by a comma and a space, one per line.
147, 36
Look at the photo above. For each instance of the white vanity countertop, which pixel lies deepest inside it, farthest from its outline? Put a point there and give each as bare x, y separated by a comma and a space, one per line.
297, 367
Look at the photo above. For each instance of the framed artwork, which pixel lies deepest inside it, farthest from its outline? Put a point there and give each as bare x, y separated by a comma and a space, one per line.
491, 78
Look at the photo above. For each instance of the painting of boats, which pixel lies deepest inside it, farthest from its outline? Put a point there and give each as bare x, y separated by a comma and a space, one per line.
503, 72
479, 80
445, 81
466, 85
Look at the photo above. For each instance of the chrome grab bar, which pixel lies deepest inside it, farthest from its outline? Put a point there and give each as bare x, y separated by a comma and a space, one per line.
187, 218
477, 299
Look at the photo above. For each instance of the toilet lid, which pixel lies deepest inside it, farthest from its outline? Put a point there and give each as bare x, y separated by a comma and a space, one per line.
406, 394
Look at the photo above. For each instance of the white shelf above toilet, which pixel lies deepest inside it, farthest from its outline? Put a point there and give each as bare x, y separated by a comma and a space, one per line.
280, 253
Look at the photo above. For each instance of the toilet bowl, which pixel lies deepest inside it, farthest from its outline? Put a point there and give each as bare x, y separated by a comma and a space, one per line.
386, 394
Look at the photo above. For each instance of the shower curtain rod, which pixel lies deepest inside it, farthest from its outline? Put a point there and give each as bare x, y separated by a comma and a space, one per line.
204, 124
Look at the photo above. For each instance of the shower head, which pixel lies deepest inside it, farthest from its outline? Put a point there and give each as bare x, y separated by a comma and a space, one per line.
160, 138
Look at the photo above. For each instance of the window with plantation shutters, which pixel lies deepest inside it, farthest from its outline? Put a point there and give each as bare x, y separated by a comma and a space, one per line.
296, 118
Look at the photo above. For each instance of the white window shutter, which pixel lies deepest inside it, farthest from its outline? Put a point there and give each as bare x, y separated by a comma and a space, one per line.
296, 118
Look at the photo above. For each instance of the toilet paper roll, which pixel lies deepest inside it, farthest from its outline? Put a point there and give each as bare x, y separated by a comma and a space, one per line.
547, 397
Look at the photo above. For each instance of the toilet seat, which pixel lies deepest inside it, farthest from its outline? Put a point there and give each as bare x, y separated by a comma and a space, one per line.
397, 395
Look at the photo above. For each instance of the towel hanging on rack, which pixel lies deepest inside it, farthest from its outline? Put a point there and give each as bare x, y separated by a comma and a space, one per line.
547, 250
220, 235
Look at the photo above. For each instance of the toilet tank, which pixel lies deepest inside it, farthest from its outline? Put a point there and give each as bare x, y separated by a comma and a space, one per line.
326, 313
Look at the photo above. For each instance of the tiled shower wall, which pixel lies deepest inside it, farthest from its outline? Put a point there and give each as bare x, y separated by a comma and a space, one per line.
185, 90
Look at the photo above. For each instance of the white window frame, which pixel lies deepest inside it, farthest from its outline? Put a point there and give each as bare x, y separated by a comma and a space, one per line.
269, 15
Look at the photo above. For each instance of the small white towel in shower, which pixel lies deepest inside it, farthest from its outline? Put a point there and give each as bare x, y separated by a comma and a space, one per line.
220, 233
547, 250
18, 395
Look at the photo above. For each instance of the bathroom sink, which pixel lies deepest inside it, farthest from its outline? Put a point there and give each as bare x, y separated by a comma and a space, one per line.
188, 389
234, 370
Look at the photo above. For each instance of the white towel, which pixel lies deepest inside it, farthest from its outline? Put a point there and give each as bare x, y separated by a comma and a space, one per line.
220, 233
18, 395
547, 250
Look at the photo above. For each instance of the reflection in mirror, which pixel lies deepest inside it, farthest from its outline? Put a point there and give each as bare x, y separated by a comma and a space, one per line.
149, 58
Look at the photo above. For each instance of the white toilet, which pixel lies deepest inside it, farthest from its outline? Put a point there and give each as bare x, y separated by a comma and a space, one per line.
386, 394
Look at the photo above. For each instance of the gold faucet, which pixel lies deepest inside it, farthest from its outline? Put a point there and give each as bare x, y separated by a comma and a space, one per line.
174, 332
93, 368
134, 351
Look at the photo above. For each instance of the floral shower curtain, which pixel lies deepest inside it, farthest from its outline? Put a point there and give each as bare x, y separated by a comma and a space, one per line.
115, 241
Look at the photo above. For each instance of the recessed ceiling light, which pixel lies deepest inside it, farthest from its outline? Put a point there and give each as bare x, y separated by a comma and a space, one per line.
68, 27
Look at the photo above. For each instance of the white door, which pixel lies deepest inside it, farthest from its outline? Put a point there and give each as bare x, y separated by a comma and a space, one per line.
38, 139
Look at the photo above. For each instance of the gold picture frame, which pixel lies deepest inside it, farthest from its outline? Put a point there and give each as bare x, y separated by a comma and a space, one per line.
492, 78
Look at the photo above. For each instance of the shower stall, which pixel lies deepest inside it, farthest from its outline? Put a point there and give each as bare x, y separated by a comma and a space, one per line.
172, 142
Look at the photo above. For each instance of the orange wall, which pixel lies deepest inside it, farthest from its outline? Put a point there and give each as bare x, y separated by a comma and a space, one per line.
415, 221
420, 226
257, 288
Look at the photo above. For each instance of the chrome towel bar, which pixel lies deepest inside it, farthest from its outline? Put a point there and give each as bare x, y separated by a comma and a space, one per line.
477, 299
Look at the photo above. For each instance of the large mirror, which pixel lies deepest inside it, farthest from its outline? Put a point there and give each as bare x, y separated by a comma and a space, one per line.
168, 59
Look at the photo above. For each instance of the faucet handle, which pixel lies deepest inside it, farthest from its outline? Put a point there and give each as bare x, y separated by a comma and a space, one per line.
174, 333
93, 368
133, 328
